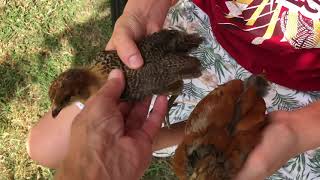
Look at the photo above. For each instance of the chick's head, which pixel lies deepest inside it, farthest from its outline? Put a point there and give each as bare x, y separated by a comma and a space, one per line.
70, 86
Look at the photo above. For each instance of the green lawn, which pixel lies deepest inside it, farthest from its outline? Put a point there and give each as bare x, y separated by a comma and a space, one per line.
38, 40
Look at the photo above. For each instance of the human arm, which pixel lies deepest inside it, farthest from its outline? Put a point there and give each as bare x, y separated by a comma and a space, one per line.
292, 132
111, 139
48, 140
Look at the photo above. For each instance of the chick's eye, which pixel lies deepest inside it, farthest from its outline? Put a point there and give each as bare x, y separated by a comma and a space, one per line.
67, 98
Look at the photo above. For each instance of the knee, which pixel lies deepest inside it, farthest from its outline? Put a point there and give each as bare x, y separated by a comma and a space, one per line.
31, 144
33, 147
37, 150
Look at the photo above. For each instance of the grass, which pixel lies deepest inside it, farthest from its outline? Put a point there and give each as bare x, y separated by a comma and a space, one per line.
38, 40
160, 169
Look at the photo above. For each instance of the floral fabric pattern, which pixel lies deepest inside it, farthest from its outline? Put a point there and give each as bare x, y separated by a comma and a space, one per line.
220, 67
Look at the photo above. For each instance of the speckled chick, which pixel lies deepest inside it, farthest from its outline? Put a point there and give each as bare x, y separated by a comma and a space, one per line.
166, 64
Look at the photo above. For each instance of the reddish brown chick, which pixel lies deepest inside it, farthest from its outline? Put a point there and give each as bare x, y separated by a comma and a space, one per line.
222, 130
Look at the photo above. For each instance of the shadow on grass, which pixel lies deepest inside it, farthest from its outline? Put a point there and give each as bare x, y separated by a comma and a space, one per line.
86, 39
12, 77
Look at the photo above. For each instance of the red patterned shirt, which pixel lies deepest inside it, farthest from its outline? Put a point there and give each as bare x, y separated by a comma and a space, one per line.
281, 37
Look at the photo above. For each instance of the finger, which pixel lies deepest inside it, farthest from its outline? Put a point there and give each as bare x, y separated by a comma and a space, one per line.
112, 89
128, 50
138, 114
108, 97
102, 111
125, 108
153, 27
123, 42
110, 45
153, 124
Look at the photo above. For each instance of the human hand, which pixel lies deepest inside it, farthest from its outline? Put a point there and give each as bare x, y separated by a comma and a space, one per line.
279, 143
139, 18
110, 139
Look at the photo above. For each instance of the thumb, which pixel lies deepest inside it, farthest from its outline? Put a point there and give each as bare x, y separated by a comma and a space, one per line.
102, 110
111, 90
123, 41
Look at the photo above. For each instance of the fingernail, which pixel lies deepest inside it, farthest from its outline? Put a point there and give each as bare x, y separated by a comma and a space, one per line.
135, 61
114, 74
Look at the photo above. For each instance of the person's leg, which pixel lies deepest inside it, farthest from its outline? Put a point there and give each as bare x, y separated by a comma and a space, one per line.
48, 140
168, 137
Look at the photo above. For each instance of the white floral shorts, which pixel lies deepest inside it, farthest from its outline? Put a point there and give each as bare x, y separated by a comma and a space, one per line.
220, 67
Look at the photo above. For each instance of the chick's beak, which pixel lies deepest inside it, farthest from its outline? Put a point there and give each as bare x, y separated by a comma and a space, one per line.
55, 111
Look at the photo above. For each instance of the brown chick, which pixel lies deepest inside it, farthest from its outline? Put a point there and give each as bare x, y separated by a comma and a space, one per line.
222, 130
166, 65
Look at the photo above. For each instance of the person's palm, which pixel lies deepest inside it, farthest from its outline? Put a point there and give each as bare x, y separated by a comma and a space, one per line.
113, 139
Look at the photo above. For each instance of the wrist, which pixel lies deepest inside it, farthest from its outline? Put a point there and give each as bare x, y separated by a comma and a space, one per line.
305, 123
149, 11
284, 121
147, 5
291, 123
